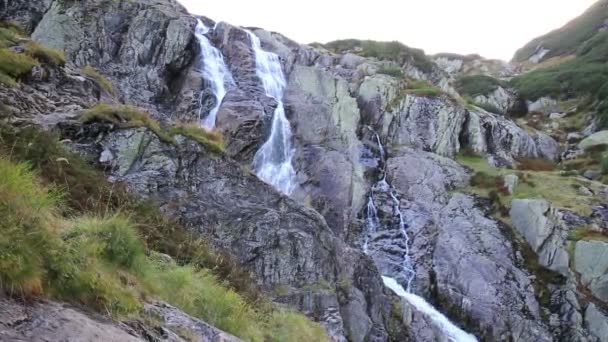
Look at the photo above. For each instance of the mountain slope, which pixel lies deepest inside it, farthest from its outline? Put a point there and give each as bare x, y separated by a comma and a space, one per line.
399, 175
567, 39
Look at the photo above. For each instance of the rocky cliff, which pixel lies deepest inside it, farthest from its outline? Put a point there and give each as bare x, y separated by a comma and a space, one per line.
397, 131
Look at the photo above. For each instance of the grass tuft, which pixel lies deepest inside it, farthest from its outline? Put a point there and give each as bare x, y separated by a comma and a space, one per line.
14, 65
44, 54
100, 79
212, 139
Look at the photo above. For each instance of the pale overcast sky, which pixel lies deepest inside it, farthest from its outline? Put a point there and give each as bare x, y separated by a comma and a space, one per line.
492, 28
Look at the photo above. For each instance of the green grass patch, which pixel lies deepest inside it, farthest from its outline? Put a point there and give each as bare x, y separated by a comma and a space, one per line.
100, 79
585, 233
14, 65
423, 88
44, 54
559, 189
391, 71
477, 85
107, 261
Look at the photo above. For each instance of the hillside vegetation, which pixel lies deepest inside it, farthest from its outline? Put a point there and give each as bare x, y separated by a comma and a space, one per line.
567, 39
67, 234
585, 76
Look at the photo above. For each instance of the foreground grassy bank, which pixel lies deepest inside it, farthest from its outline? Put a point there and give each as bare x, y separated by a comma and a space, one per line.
67, 234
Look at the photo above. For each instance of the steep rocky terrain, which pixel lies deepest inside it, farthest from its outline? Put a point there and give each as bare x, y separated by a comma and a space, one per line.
436, 172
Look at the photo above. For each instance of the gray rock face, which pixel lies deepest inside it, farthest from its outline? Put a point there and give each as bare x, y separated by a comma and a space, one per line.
503, 140
173, 319
591, 261
597, 322
476, 275
499, 98
145, 45
25, 13
540, 226
50, 321
43, 321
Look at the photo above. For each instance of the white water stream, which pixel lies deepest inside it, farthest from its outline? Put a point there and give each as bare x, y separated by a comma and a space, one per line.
272, 162
215, 72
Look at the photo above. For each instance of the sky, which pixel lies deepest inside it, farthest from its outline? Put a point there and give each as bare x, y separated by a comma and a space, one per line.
491, 28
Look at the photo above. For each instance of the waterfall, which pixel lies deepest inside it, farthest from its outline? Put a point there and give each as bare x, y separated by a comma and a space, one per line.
450, 331
214, 71
272, 162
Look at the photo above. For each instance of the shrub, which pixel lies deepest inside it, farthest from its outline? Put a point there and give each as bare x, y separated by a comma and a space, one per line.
489, 107
44, 54
536, 164
100, 79
423, 88
391, 71
477, 85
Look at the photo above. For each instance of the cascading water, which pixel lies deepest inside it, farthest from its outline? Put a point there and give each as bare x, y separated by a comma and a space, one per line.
214, 71
272, 162
450, 331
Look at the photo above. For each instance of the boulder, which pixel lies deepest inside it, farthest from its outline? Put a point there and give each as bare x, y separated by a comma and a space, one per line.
595, 139
597, 322
591, 261
543, 230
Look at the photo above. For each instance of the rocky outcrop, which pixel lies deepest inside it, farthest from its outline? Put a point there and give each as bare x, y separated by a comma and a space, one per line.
26, 14
541, 227
500, 99
591, 262
41, 321
597, 322
458, 65
596, 139
144, 47
50, 321
504, 141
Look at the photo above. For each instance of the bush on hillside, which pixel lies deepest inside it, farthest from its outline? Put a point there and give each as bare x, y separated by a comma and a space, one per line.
101, 262
477, 85
391, 71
